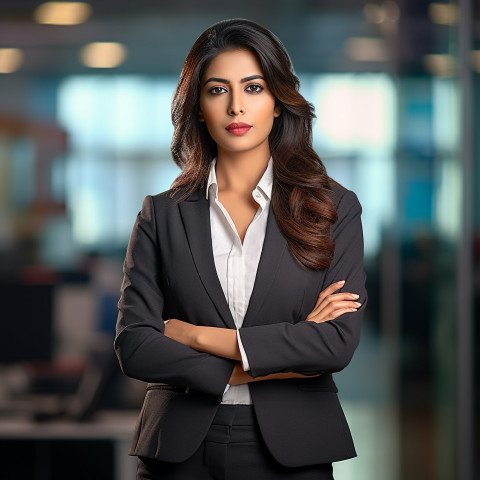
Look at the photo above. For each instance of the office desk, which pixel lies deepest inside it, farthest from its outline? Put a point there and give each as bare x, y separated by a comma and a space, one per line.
115, 427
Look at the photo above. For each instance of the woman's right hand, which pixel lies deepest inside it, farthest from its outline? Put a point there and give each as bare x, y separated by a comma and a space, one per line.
331, 305
239, 376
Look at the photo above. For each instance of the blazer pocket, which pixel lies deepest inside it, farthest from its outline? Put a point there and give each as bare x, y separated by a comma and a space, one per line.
146, 436
323, 383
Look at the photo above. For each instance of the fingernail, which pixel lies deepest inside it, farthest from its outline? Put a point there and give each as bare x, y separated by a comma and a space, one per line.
341, 282
354, 295
357, 304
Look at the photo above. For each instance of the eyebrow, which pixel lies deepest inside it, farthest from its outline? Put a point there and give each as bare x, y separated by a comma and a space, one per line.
227, 82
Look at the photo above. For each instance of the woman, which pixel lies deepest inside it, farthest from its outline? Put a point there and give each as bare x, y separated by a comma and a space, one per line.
228, 306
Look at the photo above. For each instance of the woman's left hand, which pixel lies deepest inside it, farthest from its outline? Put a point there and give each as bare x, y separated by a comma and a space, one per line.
331, 305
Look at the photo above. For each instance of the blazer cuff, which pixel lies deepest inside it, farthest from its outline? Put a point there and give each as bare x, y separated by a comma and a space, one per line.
245, 364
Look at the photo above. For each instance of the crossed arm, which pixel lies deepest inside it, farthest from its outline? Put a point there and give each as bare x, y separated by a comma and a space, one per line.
223, 342
149, 352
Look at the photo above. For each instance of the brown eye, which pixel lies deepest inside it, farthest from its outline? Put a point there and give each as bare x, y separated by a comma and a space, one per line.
254, 88
217, 90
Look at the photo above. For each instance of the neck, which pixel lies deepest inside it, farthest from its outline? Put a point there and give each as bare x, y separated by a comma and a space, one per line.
241, 172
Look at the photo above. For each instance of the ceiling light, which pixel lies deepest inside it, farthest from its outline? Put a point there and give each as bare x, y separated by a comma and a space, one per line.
62, 13
103, 54
392, 10
374, 13
366, 49
380, 13
440, 65
11, 59
443, 13
475, 60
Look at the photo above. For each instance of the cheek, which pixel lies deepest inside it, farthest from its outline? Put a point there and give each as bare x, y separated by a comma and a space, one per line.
265, 111
205, 108
211, 114
212, 122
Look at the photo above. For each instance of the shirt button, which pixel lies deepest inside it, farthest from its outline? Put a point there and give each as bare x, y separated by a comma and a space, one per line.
257, 194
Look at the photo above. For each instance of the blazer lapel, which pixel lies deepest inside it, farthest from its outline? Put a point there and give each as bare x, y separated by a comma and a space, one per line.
274, 247
196, 221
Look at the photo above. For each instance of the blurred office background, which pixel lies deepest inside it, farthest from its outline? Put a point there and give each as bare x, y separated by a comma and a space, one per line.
85, 130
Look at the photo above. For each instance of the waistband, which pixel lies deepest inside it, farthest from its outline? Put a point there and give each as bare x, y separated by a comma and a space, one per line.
234, 424
235, 415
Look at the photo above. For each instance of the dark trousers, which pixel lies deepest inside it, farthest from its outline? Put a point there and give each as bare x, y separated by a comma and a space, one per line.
232, 450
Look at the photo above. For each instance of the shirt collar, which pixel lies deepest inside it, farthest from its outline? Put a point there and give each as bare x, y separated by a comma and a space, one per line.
265, 184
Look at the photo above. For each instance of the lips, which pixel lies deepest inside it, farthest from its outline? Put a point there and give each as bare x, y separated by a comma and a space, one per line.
238, 128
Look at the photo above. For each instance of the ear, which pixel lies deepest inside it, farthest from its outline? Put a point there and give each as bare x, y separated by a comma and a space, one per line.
201, 118
277, 111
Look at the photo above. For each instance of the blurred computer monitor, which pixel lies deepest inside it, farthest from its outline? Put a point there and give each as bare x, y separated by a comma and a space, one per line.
26, 322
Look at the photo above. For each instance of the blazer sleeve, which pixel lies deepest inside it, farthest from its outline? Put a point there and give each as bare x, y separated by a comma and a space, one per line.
310, 347
144, 352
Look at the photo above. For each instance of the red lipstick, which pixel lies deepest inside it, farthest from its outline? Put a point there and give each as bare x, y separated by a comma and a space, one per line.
239, 128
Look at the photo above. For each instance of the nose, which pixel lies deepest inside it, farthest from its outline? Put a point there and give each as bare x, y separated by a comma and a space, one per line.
236, 106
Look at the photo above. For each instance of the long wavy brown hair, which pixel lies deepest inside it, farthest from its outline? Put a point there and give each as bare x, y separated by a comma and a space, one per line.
301, 196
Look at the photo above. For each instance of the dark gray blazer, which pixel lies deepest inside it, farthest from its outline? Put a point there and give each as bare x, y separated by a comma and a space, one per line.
169, 272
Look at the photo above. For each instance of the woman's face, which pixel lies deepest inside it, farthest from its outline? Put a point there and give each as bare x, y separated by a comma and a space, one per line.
236, 104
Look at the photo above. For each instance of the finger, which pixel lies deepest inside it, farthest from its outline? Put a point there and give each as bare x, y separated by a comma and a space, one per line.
332, 315
331, 311
333, 298
341, 305
339, 313
329, 290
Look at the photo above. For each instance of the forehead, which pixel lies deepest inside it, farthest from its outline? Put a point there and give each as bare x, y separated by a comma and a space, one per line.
233, 64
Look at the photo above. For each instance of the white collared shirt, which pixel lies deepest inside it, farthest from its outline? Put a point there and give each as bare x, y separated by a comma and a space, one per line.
237, 263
